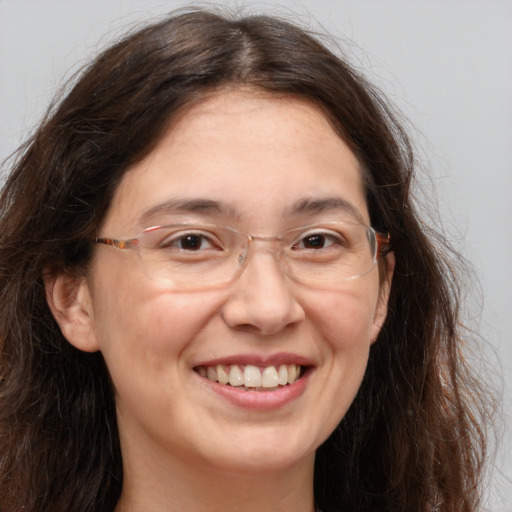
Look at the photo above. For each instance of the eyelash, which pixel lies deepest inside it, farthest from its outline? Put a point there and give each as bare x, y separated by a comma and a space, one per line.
326, 237
176, 239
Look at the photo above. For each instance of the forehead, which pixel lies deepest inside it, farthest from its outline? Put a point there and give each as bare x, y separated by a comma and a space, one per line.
253, 153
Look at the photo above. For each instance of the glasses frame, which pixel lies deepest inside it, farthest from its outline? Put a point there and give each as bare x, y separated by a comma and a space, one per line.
382, 242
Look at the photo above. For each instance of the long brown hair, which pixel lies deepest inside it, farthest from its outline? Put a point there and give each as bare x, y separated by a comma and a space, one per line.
414, 436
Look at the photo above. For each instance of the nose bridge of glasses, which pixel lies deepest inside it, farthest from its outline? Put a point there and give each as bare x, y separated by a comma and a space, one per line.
266, 243
271, 245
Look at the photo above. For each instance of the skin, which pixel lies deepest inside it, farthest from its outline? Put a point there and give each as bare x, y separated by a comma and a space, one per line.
185, 447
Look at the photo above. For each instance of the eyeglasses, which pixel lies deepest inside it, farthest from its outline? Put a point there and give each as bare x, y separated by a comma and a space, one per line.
197, 256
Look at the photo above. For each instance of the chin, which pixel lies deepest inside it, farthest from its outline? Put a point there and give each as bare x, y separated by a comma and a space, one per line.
264, 453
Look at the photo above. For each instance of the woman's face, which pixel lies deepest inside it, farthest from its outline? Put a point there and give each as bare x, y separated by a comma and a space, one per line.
249, 161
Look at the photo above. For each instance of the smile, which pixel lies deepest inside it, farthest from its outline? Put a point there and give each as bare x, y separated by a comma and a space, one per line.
250, 377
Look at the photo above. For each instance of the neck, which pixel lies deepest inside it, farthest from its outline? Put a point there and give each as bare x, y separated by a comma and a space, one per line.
175, 485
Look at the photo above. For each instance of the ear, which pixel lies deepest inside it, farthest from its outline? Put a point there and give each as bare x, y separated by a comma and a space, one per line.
69, 300
381, 311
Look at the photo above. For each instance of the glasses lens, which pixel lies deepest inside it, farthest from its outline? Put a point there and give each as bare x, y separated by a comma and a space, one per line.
198, 256
191, 256
331, 252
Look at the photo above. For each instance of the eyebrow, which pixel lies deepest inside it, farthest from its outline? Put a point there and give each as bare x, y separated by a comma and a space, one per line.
307, 205
199, 205
312, 205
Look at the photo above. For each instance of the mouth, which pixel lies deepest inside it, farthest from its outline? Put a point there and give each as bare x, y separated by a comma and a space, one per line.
252, 378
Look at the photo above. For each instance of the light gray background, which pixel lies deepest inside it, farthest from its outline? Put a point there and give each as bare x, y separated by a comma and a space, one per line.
447, 64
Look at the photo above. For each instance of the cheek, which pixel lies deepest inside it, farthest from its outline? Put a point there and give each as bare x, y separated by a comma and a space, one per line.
342, 321
345, 318
142, 327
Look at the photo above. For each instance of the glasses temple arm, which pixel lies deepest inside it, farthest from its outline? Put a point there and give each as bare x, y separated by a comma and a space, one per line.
383, 243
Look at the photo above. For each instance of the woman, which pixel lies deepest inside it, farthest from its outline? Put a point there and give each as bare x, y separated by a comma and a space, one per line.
217, 295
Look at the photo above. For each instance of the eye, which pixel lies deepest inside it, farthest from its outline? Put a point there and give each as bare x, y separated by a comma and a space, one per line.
319, 240
194, 242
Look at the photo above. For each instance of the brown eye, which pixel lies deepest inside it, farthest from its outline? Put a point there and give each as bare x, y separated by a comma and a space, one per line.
314, 242
193, 242
318, 241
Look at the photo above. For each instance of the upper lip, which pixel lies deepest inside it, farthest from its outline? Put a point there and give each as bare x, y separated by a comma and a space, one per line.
259, 360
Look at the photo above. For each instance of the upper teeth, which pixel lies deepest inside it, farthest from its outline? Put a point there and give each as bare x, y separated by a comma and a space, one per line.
251, 376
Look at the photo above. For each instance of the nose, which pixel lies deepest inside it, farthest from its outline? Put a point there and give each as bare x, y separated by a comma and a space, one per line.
262, 299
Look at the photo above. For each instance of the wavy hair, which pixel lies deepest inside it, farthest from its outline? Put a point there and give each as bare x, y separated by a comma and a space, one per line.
414, 438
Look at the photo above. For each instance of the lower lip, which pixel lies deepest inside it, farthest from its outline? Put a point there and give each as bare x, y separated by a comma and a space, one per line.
260, 400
